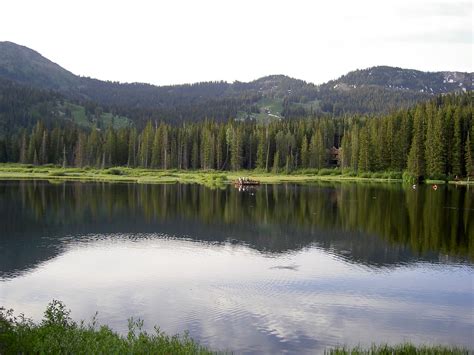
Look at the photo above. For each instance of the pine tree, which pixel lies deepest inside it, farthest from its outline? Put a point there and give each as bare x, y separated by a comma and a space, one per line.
435, 148
316, 150
195, 154
156, 149
24, 149
146, 144
345, 151
355, 147
94, 148
64, 157
35, 158
44, 148
416, 159
276, 162
456, 156
304, 153
132, 148
236, 149
469, 157
80, 151
364, 150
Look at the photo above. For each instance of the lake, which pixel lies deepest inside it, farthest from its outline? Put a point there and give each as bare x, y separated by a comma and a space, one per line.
279, 268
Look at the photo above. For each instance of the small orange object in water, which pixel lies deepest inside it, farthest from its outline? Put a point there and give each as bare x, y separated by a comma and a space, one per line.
435, 187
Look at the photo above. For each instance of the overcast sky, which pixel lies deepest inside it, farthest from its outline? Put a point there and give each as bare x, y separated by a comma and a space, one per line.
172, 42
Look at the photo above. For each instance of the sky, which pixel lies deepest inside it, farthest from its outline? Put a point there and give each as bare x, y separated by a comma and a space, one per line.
181, 41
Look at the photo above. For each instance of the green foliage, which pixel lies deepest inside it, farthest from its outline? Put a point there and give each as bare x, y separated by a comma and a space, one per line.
430, 140
57, 173
409, 177
115, 171
58, 333
402, 349
332, 172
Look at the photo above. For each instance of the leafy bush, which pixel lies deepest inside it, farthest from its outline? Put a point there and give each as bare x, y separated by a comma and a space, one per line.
365, 175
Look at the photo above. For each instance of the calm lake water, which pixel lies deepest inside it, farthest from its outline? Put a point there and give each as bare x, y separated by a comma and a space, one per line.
293, 268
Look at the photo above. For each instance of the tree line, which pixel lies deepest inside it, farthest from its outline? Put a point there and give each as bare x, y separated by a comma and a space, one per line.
432, 139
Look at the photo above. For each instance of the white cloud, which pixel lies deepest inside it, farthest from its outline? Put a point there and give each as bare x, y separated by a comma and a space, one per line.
181, 41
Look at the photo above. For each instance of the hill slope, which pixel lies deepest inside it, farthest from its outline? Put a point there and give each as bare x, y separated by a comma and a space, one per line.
373, 90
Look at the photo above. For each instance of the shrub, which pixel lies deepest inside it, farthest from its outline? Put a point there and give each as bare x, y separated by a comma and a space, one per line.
57, 173
440, 177
349, 172
324, 172
409, 178
115, 171
392, 175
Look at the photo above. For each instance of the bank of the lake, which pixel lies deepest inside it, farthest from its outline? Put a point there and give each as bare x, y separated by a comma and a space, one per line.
205, 177
58, 333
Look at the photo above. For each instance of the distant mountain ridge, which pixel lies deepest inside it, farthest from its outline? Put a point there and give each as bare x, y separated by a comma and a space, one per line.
369, 91
405, 79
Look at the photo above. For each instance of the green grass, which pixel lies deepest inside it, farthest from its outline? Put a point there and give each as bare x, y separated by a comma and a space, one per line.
57, 333
275, 106
211, 178
402, 349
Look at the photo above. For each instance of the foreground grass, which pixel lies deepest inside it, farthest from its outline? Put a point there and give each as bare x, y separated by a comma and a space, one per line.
403, 349
57, 333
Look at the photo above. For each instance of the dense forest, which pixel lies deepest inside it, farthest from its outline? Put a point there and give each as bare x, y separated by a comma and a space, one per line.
430, 140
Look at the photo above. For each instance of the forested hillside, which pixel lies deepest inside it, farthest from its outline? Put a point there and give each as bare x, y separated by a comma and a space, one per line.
371, 91
23, 106
430, 140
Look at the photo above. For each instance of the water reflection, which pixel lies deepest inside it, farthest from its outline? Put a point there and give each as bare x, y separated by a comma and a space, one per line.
232, 297
380, 225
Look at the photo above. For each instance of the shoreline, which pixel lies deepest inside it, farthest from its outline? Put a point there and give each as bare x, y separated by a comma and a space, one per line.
202, 177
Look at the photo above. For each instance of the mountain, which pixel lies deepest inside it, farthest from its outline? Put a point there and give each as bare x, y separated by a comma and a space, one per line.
404, 79
26, 66
369, 91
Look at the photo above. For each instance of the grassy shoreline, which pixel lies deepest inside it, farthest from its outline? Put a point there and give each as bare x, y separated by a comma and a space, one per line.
210, 178
58, 333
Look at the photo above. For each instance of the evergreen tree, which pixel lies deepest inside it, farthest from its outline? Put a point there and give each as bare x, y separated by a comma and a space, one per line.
304, 153
345, 151
364, 150
456, 157
276, 163
416, 159
317, 151
469, 157
157, 149
44, 148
